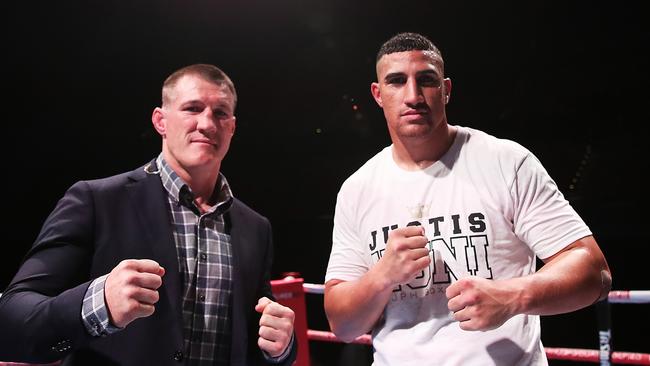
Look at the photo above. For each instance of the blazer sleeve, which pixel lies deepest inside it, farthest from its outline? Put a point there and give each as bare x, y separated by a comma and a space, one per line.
40, 311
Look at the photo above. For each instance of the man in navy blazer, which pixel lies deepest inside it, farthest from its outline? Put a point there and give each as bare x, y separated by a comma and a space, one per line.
157, 266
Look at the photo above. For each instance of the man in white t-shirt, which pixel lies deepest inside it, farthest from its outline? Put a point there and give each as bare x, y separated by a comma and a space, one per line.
436, 237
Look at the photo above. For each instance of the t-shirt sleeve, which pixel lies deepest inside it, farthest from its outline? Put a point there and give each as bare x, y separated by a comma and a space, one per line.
348, 260
543, 218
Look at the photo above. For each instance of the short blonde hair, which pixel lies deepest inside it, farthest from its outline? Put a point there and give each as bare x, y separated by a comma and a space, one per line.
207, 72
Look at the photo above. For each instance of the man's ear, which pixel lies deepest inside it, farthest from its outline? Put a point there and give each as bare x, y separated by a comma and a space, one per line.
446, 89
234, 125
376, 93
158, 120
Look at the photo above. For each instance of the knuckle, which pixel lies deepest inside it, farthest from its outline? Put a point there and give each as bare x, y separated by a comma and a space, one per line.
285, 327
468, 282
276, 347
126, 264
272, 307
129, 292
263, 320
148, 310
397, 245
130, 307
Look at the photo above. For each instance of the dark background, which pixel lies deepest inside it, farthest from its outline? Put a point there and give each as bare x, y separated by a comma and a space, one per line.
567, 80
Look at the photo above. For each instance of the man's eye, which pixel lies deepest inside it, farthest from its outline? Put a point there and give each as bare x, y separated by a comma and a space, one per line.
427, 80
396, 80
193, 109
221, 113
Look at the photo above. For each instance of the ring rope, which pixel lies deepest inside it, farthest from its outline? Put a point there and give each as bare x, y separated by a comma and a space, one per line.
629, 297
620, 297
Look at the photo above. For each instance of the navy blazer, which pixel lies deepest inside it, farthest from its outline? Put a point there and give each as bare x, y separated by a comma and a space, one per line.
96, 225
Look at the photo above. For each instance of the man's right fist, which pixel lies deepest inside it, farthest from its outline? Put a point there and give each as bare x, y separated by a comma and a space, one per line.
406, 254
131, 290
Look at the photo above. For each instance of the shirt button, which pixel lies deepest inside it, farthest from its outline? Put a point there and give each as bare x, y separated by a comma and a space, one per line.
178, 356
201, 297
204, 256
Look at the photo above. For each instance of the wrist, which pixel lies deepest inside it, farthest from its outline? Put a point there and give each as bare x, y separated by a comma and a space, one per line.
379, 281
521, 300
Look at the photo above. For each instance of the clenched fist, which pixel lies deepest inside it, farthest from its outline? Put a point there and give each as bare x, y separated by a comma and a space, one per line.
481, 304
131, 290
406, 255
276, 326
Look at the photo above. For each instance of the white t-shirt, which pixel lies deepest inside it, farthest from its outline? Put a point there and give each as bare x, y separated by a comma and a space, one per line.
488, 208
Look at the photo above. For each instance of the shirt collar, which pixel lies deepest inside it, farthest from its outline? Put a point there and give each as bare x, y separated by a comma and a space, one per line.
181, 193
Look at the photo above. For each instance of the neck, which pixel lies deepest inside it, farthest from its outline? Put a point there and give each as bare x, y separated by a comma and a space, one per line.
201, 179
416, 153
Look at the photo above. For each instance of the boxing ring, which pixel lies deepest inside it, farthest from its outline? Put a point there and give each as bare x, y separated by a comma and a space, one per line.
291, 291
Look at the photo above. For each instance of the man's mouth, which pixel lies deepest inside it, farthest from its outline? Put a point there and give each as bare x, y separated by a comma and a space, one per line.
205, 141
415, 112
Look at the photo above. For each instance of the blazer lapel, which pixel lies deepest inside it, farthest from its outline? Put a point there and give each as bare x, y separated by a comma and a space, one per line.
239, 325
149, 200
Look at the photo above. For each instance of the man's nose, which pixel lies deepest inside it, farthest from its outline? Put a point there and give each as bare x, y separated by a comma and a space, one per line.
206, 121
412, 93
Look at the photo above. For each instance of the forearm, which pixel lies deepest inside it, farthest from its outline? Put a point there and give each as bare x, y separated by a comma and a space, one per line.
570, 280
354, 307
38, 328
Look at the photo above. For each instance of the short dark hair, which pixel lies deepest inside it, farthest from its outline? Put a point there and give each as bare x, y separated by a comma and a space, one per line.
406, 41
208, 72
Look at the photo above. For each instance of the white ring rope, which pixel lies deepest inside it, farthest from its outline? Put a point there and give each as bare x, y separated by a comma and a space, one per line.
619, 297
629, 297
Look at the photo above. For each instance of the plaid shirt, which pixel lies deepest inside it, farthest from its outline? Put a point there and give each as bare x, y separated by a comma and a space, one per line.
205, 262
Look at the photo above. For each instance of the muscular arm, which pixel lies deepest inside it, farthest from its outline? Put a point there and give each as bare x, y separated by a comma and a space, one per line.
572, 279
353, 307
